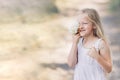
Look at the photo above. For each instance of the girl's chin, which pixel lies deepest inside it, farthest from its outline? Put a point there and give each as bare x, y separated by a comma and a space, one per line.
82, 34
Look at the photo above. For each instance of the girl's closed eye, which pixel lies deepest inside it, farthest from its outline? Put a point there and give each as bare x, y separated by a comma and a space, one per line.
85, 23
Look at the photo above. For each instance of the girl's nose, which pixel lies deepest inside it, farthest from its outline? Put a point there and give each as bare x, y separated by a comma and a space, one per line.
80, 27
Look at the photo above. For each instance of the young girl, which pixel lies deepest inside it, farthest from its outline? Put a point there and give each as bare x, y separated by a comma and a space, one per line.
90, 53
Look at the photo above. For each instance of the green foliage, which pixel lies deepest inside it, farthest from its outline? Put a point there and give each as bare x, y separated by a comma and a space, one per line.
27, 11
114, 5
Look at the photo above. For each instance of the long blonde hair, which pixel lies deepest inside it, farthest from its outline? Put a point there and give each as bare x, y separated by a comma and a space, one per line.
93, 16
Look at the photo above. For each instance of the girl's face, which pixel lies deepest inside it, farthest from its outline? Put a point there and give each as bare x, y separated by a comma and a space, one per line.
85, 26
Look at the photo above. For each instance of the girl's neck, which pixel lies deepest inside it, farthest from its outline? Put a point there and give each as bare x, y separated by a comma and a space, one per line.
89, 41
89, 38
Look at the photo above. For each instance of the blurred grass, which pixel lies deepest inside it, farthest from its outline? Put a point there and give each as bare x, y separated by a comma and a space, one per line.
26, 11
27, 28
23, 39
115, 5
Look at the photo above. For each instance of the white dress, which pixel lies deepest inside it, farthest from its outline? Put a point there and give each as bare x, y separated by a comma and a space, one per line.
88, 68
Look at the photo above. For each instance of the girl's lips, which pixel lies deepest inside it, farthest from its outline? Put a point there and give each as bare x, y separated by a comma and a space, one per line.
82, 30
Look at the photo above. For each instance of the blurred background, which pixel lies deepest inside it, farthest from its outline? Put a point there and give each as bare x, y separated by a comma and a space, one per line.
35, 39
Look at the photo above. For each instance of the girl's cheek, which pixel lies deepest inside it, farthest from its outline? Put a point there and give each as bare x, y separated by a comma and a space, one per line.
90, 28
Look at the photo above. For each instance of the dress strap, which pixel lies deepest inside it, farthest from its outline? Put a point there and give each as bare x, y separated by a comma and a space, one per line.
97, 45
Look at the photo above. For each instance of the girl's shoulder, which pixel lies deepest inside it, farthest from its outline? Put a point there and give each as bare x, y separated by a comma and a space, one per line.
103, 44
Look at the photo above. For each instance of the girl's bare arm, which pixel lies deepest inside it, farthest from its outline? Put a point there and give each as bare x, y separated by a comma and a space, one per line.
72, 57
105, 58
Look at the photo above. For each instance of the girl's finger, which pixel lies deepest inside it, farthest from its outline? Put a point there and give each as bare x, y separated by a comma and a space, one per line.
94, 48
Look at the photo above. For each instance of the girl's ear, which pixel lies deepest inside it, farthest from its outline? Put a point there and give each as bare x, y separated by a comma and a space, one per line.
94, 27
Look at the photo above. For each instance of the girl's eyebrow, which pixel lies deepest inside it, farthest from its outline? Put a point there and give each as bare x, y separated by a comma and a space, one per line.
84, 22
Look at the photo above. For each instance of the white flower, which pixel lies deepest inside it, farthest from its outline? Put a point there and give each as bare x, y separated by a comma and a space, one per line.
74, 27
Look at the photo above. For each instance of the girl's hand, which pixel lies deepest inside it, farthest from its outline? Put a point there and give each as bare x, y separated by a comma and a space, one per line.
76, 38
93, 53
